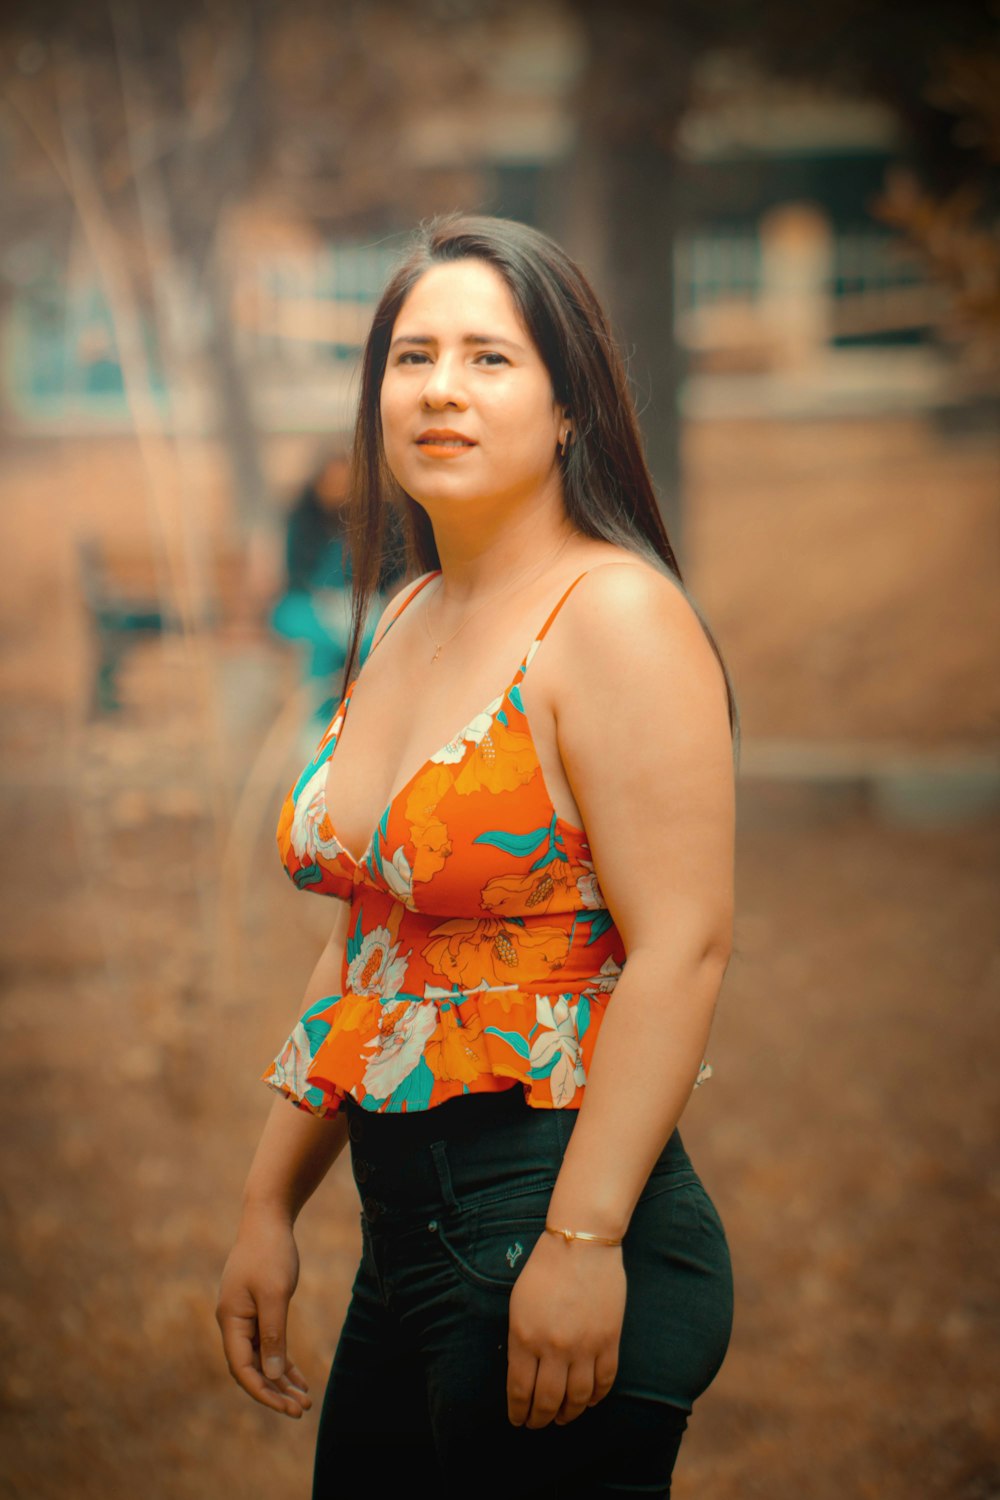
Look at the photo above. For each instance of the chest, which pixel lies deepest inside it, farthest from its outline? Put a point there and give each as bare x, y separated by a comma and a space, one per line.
412, 722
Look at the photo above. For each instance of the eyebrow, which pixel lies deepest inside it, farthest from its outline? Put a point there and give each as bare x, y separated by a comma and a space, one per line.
469, 338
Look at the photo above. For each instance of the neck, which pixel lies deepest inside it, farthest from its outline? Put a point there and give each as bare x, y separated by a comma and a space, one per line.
477, 553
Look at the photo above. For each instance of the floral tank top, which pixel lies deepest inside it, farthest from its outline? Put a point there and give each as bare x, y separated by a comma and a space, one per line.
480, 952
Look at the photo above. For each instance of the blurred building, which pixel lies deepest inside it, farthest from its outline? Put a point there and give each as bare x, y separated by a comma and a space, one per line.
789, 295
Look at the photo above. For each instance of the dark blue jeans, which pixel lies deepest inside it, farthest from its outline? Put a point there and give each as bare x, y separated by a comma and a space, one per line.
453, 1201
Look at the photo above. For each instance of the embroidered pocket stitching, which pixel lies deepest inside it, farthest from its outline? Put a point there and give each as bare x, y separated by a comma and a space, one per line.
517, 1247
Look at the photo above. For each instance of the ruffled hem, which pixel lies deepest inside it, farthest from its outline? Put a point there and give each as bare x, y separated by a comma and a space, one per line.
411, 1053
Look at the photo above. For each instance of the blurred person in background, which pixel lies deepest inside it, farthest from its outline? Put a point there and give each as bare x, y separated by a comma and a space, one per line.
315, 606
529, 934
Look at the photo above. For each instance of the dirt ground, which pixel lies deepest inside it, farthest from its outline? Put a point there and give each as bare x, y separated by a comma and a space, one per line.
154, 952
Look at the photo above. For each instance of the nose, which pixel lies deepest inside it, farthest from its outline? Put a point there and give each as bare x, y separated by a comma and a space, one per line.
443, 384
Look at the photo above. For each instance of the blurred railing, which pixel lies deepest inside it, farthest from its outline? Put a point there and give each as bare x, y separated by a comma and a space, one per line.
778, 295
767, 302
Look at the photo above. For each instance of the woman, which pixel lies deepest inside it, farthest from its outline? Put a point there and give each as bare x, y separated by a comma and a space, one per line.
315, 607
545, 1286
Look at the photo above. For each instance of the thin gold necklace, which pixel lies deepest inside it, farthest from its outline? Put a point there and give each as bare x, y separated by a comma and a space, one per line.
439, 644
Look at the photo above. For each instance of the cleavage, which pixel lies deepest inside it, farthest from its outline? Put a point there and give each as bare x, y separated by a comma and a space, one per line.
549, 763
360, 769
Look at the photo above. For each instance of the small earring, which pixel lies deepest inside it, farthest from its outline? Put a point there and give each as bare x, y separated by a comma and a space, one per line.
565, 441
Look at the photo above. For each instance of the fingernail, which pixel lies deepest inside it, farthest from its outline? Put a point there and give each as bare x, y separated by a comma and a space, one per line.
273, 1367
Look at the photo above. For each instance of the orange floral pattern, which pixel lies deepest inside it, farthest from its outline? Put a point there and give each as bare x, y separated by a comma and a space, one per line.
480, 952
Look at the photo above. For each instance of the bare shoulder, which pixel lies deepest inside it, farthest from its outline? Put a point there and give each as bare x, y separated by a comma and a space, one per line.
632, 647
624, 601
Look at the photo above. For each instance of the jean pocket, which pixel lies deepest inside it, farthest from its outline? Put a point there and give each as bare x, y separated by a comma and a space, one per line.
488, 1243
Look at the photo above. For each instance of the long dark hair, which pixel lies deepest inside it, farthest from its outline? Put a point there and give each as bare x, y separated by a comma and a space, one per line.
607, 486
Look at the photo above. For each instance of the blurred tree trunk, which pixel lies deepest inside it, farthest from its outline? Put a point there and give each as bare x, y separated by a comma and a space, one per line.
622, 212
187, 178
642, 204
235, 416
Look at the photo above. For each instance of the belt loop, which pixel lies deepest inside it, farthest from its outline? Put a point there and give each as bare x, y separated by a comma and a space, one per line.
440, 1157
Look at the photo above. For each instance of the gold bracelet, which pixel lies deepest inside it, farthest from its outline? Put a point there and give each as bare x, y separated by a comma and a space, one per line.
578, 1234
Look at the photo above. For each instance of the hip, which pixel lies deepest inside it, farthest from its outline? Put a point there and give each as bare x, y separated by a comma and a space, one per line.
451, 1211
472, 1153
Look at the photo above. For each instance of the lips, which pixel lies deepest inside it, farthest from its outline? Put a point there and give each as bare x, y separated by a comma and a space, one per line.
444, 437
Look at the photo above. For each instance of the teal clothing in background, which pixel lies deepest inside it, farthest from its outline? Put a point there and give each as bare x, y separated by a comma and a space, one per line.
315, 609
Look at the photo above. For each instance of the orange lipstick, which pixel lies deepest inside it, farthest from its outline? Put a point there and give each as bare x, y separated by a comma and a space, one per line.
444, 442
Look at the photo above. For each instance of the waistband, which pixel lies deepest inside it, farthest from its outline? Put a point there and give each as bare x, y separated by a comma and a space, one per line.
455, 1119
471, 1149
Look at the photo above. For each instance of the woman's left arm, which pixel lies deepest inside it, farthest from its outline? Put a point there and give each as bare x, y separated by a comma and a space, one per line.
644, 737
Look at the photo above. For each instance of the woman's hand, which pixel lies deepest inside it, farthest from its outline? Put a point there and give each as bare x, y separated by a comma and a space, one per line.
565, 1317
258, 1281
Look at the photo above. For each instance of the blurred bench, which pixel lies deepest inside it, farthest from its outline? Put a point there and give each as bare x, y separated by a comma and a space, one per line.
119, 618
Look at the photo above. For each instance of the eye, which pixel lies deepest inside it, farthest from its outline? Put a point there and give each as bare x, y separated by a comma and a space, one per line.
492, 358
411, 356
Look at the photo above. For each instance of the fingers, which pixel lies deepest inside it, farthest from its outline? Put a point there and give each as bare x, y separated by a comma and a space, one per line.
537, 1388
521, 1367
605, 1370
295, 1393
579, 1391
296, 1377
291, 1383
272, 1312
286, 1391
549, 1389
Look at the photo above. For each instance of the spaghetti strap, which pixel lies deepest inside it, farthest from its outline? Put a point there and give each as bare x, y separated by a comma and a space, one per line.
544, 630
411, 595
428, 578
536, 642
532, 649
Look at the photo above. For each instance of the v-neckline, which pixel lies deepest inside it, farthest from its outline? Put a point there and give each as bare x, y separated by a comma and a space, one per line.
342, 711
345, 703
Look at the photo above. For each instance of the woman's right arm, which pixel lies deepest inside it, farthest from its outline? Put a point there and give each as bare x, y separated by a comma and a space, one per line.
295, 1152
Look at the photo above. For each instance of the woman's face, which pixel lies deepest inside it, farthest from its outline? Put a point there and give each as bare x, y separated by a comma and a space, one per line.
468, 411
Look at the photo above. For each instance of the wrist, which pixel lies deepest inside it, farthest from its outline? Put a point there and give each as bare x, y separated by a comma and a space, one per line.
582, 1236
266, 1209
587, 1215
582, 1200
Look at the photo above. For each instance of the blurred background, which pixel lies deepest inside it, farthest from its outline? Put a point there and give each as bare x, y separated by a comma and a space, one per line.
790, 212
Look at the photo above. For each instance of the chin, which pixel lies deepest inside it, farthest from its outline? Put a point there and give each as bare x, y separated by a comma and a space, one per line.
427, 489
437, 500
